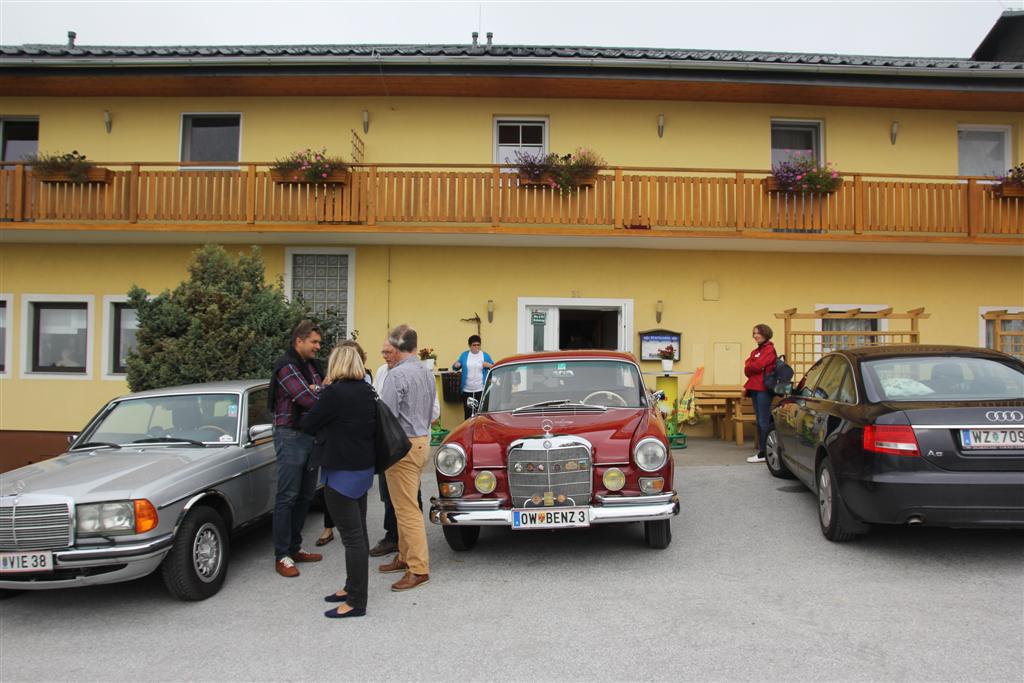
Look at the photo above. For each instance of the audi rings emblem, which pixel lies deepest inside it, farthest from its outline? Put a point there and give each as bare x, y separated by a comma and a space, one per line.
1004, 416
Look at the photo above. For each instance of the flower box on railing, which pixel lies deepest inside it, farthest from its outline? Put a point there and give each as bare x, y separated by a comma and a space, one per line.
1008, 190
771, 184
333, 178
548, 180
94, 174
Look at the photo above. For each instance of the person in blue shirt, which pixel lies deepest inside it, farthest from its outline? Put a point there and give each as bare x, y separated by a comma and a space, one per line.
475, 363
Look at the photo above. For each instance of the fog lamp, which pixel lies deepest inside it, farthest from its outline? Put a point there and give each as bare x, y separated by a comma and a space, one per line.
485, 482
614, 479
652, 484
451, 489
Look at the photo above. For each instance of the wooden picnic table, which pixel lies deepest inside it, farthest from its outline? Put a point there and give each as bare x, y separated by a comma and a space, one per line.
724, 404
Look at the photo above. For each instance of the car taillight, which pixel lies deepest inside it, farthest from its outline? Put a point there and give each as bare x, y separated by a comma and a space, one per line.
891, 439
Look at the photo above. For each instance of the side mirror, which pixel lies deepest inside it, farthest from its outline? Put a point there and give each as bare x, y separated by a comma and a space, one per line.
71, 438
260, 432
658, 395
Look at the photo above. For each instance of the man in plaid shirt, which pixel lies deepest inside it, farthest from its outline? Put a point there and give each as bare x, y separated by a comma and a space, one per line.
294, 389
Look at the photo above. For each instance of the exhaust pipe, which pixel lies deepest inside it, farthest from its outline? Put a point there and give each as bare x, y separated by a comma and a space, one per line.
915, 520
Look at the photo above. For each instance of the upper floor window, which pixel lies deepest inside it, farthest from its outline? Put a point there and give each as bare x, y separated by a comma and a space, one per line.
795, 137
20, 138
60, 333
210, 137
512, 135
983, 150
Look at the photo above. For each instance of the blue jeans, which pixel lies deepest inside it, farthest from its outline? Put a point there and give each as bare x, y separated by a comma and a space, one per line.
296, 484
762, 401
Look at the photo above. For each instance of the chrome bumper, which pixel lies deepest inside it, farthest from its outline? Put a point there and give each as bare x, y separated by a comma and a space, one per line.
608, 510
138, 559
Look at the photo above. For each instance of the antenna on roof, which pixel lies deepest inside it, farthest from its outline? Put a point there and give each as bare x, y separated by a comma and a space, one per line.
71, 38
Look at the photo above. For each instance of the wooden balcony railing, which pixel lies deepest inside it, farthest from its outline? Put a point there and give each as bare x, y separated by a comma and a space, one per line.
693, 200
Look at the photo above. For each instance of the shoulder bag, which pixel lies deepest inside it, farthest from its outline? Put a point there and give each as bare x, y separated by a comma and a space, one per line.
391, 443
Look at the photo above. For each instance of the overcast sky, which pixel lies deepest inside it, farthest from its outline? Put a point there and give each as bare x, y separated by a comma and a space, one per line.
929, 28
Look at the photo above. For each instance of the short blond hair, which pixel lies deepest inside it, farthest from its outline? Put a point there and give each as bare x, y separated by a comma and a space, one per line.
345, 363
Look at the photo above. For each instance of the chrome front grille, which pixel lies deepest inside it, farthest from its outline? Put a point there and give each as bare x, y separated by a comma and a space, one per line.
553, 471
34, 527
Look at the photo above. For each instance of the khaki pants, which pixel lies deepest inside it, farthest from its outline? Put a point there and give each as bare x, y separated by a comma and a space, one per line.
403, 484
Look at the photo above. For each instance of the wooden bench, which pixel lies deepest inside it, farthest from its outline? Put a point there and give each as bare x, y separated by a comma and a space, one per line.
718, 402
743, 413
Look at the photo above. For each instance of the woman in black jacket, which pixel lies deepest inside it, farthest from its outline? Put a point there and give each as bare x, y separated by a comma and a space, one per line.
343, 422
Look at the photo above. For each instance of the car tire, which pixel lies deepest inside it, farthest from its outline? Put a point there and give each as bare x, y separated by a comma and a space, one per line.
773, 456
658, 533
835, 520
461, 538
197, 565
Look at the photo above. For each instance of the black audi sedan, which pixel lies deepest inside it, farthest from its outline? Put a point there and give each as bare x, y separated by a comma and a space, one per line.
906, 435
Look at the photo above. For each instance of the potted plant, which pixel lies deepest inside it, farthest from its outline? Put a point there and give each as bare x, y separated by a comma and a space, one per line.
562, 172
70, 167
1011, 184
310, 166
428, 357
667, 356
802, 173
535, 168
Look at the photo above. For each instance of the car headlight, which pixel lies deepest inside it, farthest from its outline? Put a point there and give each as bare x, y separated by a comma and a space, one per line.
450, 460
614, 479
485, 482
122, 516
650, 454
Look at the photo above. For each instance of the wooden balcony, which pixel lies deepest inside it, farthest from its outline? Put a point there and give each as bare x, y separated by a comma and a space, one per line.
662, 201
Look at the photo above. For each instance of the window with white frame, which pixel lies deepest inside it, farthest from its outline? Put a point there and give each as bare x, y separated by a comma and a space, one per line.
19, 138
211, 137
323, 280
124, 328
60, 336
528, 135
848, 325
791, 138
983, 150
5, 331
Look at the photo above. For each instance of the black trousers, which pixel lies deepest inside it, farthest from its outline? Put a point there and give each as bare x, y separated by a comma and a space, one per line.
328, 522
350, 515
467, 412
390, 520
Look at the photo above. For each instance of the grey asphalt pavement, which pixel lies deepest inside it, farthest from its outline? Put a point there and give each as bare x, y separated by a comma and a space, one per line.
748, 590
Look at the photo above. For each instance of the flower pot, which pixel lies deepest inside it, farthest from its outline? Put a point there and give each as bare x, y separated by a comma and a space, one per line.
94, 174
771, 184
1008, 190
666, 364
333, 178
428, 363
544, 180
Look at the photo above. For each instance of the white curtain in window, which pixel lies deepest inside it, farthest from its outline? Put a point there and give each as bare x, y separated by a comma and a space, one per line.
982, 152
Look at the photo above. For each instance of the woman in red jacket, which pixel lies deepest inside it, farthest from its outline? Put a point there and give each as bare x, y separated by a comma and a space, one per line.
761, 359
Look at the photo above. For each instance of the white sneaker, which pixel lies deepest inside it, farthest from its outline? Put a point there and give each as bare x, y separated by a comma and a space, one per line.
756, 457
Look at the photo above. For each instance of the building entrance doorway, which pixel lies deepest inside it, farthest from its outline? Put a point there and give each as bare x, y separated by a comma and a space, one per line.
549, 324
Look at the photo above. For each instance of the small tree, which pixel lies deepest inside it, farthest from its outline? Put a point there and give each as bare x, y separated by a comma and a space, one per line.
223, 322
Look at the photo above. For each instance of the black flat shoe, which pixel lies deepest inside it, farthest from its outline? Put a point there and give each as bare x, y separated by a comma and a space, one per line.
354, 612
334, 597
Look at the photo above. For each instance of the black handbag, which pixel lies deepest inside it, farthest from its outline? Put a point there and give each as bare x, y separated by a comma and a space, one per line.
390, 441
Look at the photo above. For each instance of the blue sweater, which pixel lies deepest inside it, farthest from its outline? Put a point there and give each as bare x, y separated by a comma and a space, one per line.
462, 366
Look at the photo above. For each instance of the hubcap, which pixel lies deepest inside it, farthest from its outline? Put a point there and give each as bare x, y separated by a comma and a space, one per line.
772, 447
206, 553
825, 497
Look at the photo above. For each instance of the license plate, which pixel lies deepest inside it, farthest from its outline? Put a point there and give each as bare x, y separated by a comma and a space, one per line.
550, 518
981, 439
33, 561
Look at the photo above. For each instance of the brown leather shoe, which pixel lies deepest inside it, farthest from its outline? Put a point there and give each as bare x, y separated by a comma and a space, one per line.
410, 581
383, 547
285, 567
303, 556
393, 566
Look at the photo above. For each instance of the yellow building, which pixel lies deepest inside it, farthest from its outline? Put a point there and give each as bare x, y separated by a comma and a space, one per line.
681, 230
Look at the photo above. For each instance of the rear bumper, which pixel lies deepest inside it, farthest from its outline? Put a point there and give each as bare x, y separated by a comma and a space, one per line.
937, 498
608, 510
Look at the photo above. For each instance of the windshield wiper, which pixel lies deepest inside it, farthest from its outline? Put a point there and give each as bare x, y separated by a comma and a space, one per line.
97, 444
170, 439
558, 403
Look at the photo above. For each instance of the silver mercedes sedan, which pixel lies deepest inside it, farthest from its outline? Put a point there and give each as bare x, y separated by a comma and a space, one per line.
157, 479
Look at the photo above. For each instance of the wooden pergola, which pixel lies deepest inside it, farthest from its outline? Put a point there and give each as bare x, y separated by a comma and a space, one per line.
1007, 341
803, 347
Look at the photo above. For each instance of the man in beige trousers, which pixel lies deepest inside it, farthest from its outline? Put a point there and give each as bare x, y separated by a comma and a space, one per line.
410, 393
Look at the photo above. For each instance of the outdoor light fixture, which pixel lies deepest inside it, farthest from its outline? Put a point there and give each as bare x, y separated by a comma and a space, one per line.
490, 310
661, 125
108, 123
894, 130
659, 308
366, 121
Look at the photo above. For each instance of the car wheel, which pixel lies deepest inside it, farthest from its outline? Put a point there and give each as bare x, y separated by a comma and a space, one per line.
773, 456
461, 538
835, 520
658, 533
198, 562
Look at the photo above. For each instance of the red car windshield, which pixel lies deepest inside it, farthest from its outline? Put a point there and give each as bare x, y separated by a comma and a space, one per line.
608, 383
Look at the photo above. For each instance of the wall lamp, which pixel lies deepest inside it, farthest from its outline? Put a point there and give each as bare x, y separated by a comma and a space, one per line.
894, 130
366, 121
108, 122
659, 308
661, 125
490, 310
